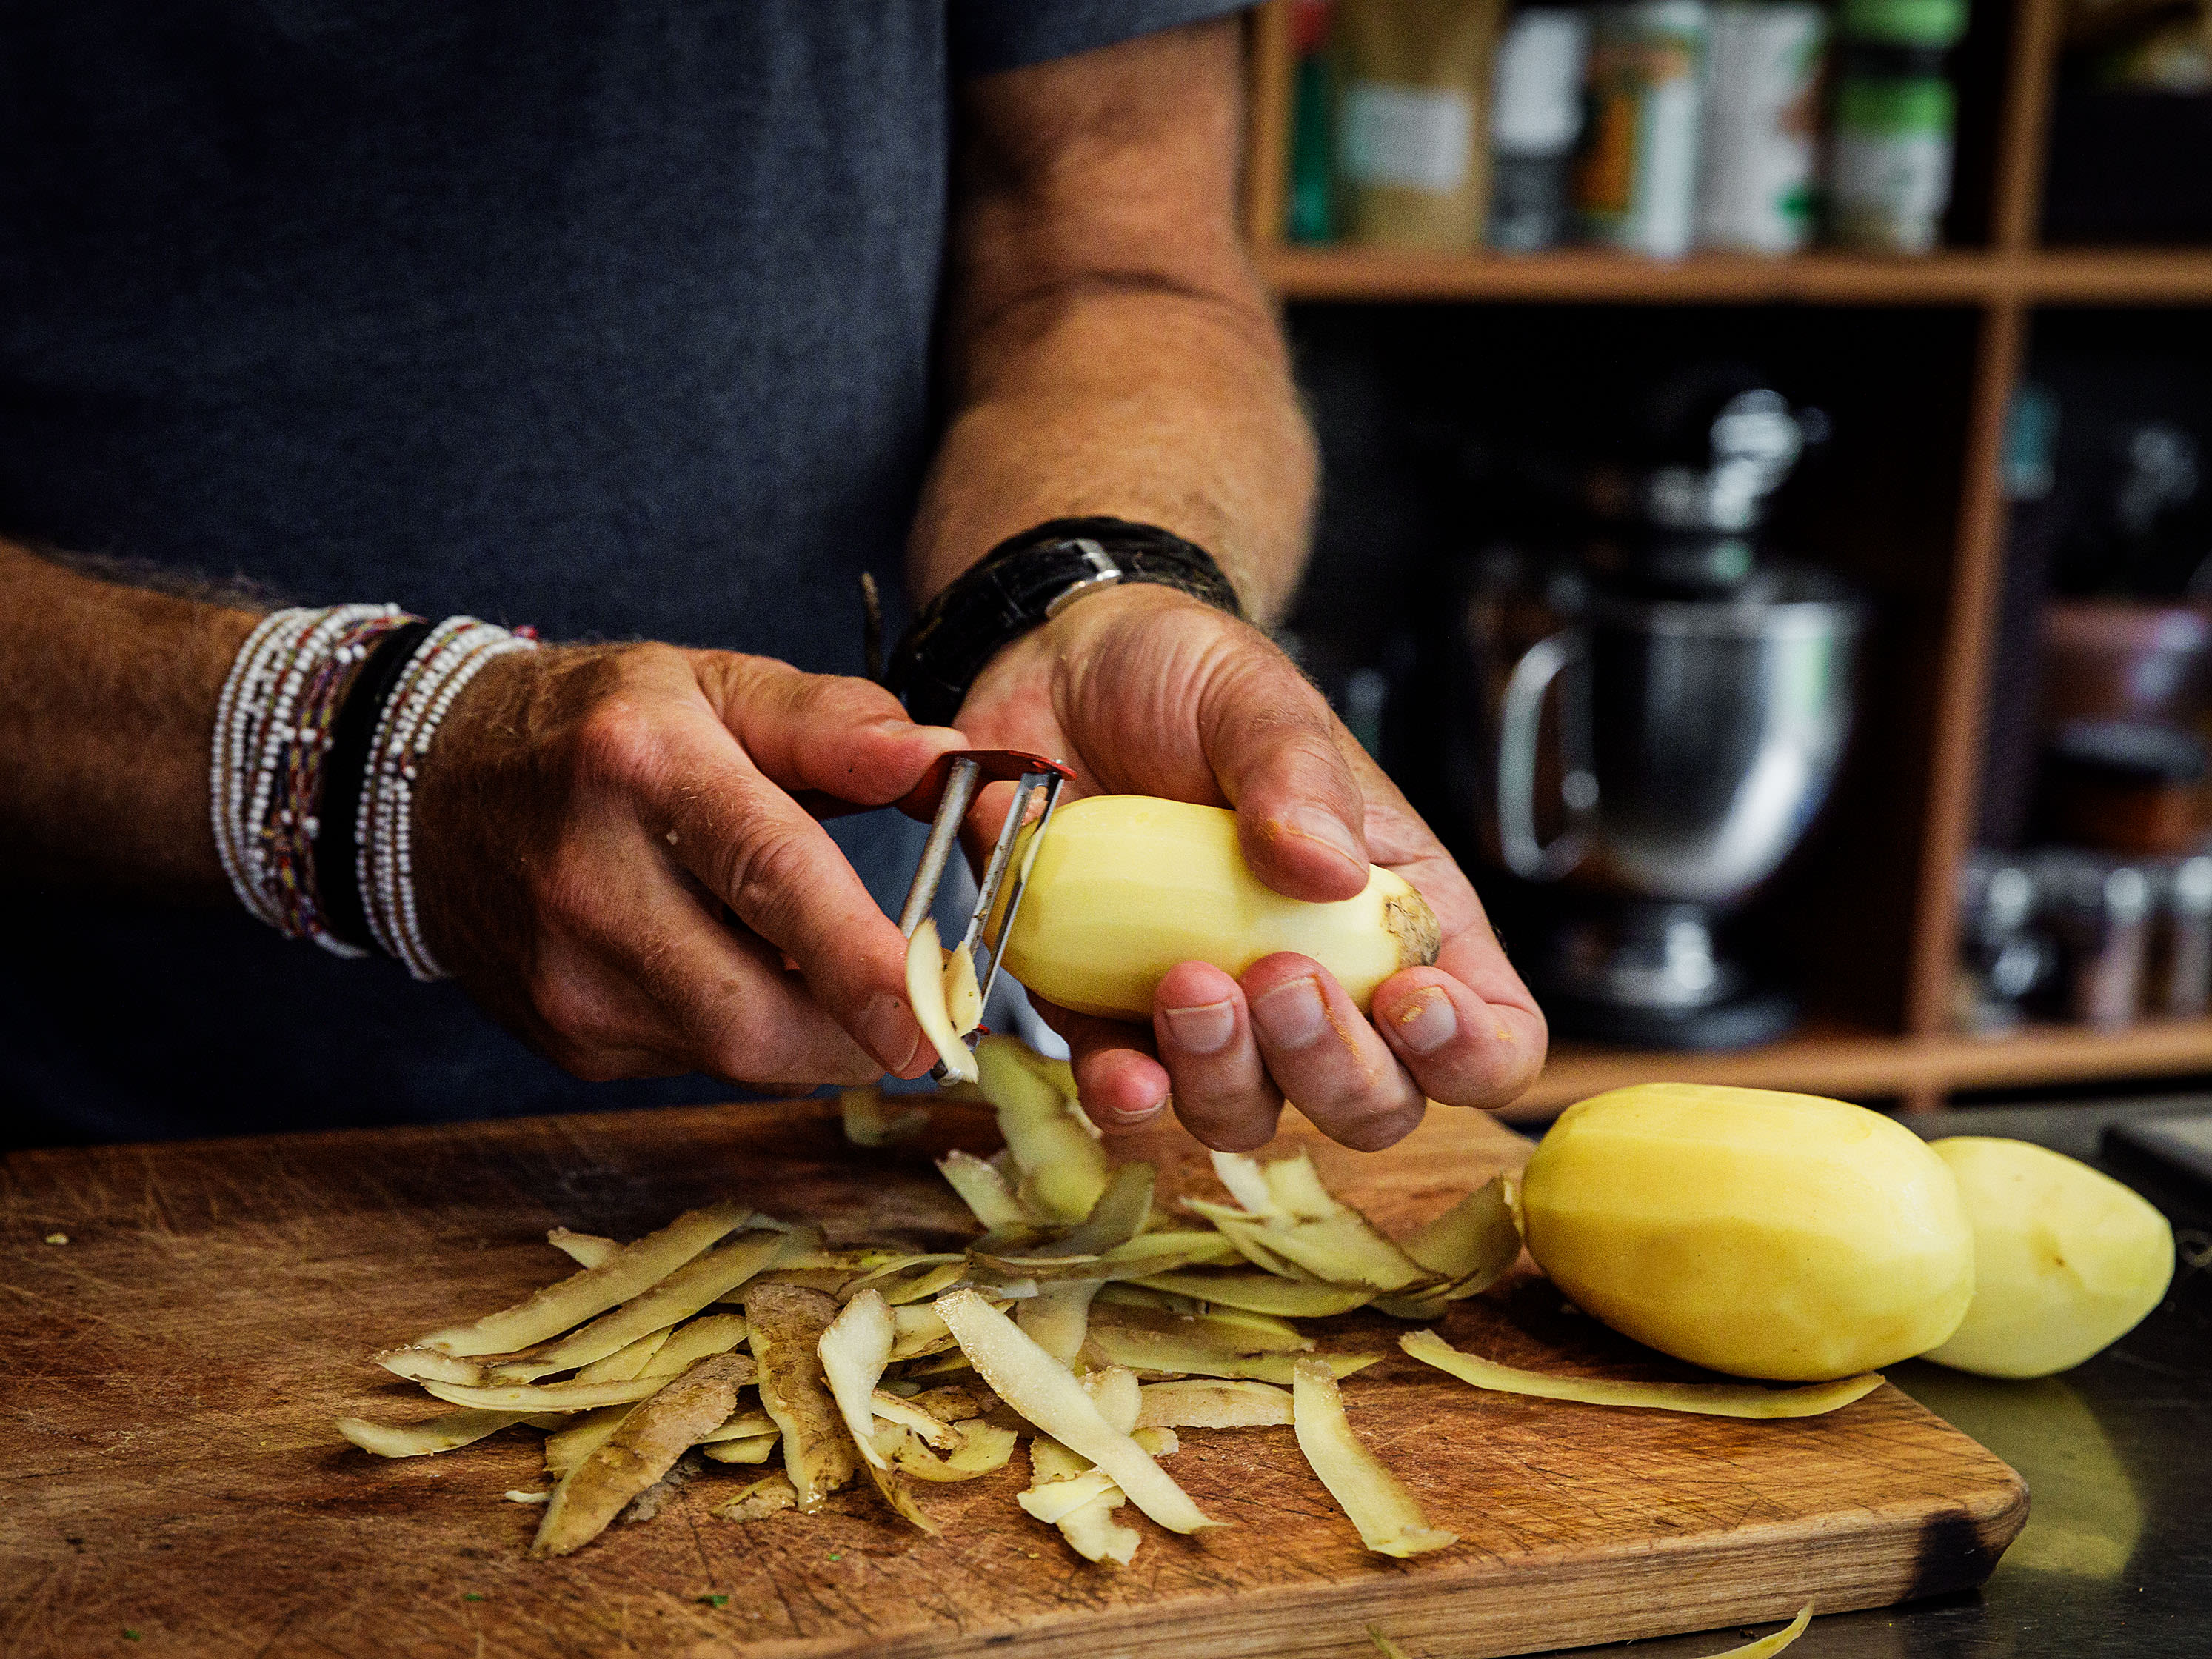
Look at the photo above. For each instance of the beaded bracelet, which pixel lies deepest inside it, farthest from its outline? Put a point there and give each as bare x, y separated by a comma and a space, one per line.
288, 836
451, 655
271, 743
271, 735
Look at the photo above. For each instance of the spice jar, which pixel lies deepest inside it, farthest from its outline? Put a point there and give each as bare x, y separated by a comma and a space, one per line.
2181, 952
2100, 912
2003, 959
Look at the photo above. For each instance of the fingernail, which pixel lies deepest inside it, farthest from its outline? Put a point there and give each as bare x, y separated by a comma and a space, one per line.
1291, 1016
1202, 1030
888, 1031
1427, 1021
1317, 823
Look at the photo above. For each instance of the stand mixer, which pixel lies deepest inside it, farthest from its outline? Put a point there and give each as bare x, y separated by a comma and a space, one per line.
1655, 716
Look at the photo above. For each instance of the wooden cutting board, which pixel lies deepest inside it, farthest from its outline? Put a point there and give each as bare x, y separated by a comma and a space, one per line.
173, 1370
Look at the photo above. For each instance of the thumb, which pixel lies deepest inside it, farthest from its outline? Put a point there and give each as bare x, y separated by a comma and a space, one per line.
1273, 742
844, 738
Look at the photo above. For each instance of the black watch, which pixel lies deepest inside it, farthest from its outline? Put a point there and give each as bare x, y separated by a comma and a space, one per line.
1021, 583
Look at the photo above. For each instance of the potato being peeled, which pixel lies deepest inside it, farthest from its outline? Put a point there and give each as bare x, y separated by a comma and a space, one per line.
2066, 1259
1123, 887
1766, 1235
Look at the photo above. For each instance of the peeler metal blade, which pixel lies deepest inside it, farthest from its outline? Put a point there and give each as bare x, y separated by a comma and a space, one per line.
959, 776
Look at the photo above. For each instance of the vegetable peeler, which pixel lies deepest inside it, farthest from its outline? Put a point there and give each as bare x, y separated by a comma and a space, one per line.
955, 779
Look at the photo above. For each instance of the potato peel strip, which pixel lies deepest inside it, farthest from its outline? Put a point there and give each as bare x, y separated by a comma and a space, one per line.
982, 1189
785, 1326
585, 1250
645, 1448
1262, 1293
1222, 1404
440, 1434
1706, 1399
1771, 1644
925, 991
629, 1272
853, 1353
1388, 1516
1473, 1243
549, 1396
1047, 1394
715, 1333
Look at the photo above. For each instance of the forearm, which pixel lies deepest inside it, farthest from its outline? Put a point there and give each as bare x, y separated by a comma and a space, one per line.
1109, 349
107, 697
1150, 406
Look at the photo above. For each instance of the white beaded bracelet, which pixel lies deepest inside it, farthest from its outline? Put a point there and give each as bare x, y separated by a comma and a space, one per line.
272, 730
452, 655
271, 733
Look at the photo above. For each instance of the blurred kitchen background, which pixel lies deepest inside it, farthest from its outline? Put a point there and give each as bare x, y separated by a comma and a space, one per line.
1766, 525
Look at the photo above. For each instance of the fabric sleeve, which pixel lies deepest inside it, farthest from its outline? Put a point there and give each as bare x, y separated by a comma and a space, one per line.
988, 35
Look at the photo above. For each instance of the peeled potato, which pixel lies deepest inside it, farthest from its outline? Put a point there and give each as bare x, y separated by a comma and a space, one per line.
1124, 887
2066, 1259
1765, 1235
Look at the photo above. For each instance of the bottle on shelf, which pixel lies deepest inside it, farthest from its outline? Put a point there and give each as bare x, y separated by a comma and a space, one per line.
1311, 211
1636, 185
1889, 177
1535, 116
1761, 144
1413, 119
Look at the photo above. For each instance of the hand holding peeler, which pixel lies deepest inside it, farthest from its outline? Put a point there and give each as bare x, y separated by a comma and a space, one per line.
955, 779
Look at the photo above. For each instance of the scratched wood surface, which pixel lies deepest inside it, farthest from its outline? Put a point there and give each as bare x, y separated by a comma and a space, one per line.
172, 1372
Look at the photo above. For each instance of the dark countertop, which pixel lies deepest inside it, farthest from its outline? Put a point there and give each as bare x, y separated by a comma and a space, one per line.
2117, 1558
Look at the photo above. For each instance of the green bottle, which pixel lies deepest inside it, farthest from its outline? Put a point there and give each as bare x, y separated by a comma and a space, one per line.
1890, 163
1312, 211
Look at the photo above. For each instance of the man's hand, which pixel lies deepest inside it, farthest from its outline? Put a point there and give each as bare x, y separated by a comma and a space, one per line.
587, 813
1109, 351
1144, 690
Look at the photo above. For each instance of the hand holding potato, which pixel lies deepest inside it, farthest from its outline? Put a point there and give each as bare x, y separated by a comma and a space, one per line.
1144, 690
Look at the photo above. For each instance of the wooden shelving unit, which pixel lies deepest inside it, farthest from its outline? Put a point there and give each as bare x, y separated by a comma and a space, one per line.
1871, 1064
1579, 275
1997, 285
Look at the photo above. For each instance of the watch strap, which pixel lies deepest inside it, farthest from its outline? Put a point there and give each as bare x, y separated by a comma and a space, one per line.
1024, 582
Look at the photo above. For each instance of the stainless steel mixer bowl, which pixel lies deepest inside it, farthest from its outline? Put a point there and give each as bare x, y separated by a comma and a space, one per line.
1703, 736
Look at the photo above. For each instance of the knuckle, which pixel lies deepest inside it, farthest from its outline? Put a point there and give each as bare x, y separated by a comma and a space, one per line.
850, 1066
563, 886
852, 701
1221, 1103
736, 1036
1365, 1116
567, 1009
744, 1047
764, 877
1227, 1131
618, 741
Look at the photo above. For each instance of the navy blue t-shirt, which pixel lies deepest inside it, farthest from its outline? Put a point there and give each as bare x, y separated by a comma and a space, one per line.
613, 318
